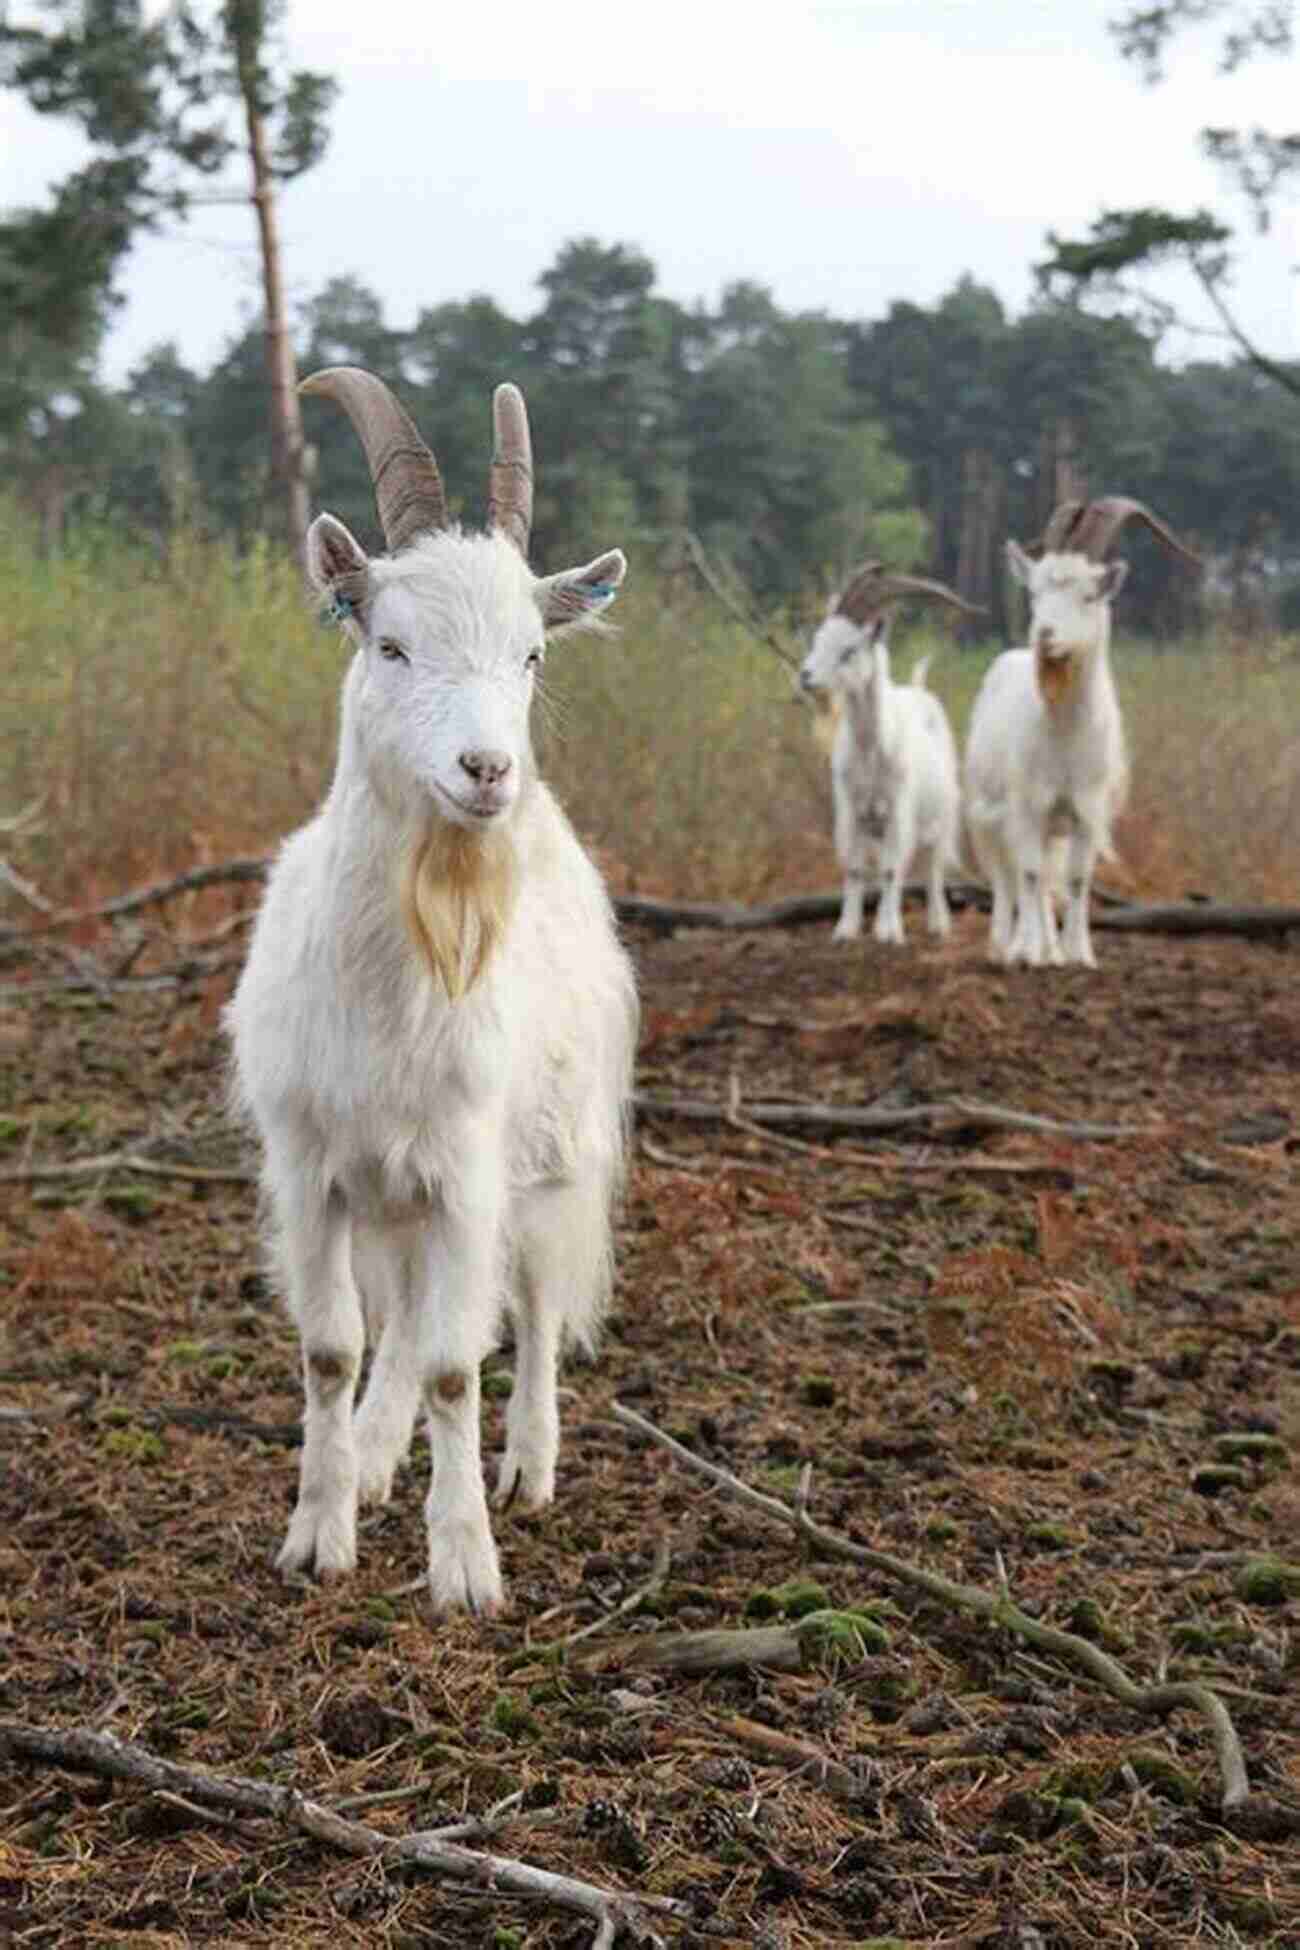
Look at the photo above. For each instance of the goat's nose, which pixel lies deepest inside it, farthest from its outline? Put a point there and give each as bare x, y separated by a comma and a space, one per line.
486, 767
805, 681
1046, 637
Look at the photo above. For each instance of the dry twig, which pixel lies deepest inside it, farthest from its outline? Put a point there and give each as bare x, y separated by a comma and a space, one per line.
659, 1571
104, 1755
128, 1161
949, 1118
998, 1607
732, 606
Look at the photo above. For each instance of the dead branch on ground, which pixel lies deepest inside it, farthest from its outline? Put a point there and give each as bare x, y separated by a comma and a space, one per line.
109, 1162
998, 1607
1202, 917
221, 873
951, 1118
104, 1755
1114, 911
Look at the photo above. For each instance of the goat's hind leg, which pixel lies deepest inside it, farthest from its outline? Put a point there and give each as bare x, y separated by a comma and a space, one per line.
314, 1245
560, 1275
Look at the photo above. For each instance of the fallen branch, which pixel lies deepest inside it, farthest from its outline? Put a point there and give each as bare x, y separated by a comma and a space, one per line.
997, 1607
658, 1572
1202, 917
112, 1759
777, 1648
950, 1118
25, 889
1114, 911
797, 911
123, 1161
794, 1753
221, 873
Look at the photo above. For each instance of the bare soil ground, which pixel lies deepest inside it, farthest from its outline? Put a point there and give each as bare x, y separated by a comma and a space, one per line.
1002, 1353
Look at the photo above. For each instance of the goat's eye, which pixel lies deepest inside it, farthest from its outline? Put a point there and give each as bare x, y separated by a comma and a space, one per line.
535, 659
392, 652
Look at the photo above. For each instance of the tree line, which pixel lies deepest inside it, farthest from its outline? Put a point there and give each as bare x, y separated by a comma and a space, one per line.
791, 443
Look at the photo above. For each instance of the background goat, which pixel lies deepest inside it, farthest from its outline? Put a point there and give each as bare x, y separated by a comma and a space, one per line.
434, 1029
894, 775
1045, 758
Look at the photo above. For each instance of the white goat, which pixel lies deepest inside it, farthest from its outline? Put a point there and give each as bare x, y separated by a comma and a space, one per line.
434, 1030
894, 775
1046, 765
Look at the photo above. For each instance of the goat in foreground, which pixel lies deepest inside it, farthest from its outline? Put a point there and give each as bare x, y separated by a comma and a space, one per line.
894, 776
1046, 763
433, 1033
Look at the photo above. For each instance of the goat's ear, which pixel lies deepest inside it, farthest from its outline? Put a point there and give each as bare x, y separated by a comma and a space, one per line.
333, 552
1111, 579
576, 597
1020, 564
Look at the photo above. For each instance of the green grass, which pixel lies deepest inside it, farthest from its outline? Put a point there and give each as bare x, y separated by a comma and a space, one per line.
162, 708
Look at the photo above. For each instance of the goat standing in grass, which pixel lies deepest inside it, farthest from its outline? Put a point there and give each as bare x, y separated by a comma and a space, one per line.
894, 774
1046, 764
434, 1030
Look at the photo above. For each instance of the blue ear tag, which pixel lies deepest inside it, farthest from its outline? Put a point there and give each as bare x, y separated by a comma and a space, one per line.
340, 608
599, 592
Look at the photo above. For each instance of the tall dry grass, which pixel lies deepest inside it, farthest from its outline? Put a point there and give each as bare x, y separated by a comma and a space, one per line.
163, 709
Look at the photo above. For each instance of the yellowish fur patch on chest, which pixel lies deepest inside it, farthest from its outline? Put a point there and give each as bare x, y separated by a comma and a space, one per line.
1055, 677
457, 892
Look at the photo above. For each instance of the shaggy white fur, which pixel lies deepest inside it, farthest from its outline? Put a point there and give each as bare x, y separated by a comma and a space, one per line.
433, 1036
894, 774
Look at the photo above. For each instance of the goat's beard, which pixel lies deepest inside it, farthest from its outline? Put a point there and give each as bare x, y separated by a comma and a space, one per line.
1055, 676
828, 708
458, 892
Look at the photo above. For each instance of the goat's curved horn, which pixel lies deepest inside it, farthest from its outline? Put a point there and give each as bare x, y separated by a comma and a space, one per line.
510, 477
874, 585
1104, 519
408, 487
1060, 536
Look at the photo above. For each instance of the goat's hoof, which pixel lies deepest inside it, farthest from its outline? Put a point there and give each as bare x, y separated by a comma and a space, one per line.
375, 1483
841, 933
530, 1485
325, 1543
464, 1574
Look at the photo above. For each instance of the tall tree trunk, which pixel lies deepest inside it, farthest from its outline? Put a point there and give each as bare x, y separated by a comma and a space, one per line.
1062, 475
981, 522
288, 468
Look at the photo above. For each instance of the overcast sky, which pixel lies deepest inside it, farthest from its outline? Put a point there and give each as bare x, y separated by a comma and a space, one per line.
844, 155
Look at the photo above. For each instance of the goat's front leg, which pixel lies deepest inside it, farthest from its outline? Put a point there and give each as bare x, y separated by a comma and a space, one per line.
456, 1321
895, 852
1034, 941
322, 1532
938, 918
1077, 946
851, 849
